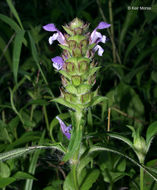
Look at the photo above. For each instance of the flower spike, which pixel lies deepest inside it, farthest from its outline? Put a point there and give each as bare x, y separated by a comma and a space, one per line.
76, 65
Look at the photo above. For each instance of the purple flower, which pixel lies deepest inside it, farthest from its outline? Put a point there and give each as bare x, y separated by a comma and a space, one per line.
100, 50
56, 36
58, 62
65, 129
97, 37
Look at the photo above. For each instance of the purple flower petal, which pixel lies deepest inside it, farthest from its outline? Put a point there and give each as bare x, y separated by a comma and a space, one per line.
99, 49
65, 129
102, 25
97, 37
58, 62
57, 36
50, 28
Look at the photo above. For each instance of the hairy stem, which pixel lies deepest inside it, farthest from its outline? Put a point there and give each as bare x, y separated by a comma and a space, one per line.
78, 126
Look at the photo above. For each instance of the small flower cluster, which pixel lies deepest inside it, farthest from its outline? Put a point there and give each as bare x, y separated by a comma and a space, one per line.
76, 64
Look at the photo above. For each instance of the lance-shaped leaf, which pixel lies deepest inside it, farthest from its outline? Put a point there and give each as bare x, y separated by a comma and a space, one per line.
122, 138
109, 149
90, 179
65, 103
21, 151
150, 134
97, 99
17, 51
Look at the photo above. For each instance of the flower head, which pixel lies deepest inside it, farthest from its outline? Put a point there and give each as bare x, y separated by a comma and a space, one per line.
56, 36
57, 62
76, 64
65, 129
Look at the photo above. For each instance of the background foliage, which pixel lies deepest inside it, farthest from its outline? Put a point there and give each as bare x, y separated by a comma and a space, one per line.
128, 77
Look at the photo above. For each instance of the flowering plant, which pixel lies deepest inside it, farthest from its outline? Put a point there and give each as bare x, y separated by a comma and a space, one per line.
77, 68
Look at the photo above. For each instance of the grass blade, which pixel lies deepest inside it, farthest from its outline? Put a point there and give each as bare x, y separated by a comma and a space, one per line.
13, 10
10, 22
16, 52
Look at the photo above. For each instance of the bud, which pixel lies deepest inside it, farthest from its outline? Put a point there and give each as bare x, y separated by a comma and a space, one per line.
140, 148
76, 23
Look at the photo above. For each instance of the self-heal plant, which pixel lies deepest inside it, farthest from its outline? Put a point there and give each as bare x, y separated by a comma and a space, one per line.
77, 68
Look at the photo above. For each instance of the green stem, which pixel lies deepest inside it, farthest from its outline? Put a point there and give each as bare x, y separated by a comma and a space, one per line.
46, 119
141, 178
78, 126
110, 186
74, 173
112, 32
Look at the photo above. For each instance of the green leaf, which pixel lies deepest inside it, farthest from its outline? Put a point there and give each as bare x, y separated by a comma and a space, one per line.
129, 20
151, 132
10, 22
36, 57
129, 101
17, 51
83, 163
5, 51
23, 175
25, 138
4, 135
108, 149
33, 163
90, 179
69, 183
13, 10
13, 105
21, 151
91, 71
154, 76
4, 170
65, 103
122, 138
64, 73
135, 39
6, 181
74, 144
97, 99
144, 54
17, 152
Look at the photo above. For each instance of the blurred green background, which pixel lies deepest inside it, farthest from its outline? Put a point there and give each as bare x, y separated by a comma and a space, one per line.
128, 77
